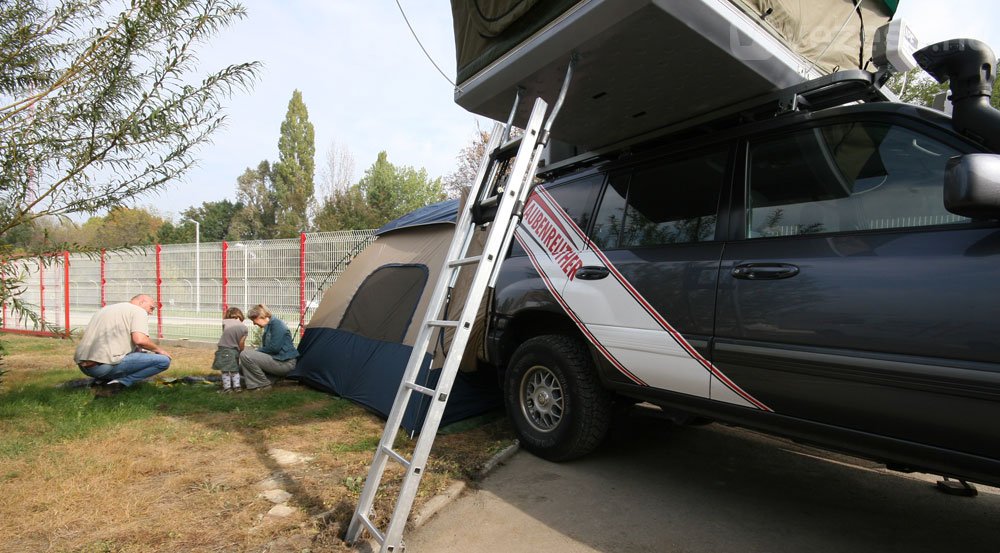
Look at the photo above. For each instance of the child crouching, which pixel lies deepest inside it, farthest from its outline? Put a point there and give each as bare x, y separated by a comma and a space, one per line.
227, 356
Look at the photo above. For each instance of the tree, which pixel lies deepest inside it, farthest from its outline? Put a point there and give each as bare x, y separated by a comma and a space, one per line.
347, 210
97, 107
214, 219
123, 227
917, 87
255, 192
469, 159
383, 194
338, 173
44, 233
395, 191
293, 173
181, 233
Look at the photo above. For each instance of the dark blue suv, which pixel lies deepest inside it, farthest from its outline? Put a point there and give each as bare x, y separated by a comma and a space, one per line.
828, 274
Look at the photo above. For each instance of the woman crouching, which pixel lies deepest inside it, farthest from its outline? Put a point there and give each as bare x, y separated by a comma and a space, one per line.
276, 355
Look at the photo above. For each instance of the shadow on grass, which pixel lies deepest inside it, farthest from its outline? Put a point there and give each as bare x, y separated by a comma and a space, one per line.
39, 414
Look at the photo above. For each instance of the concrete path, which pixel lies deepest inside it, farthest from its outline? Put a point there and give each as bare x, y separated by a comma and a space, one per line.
709, 489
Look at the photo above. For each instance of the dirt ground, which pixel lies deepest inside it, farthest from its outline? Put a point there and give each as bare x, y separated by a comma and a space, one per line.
181, 468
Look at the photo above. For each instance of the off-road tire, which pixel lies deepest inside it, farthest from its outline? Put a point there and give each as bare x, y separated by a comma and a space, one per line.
552, 370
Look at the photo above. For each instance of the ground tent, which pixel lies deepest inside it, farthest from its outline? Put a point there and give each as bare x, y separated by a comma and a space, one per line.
360, 338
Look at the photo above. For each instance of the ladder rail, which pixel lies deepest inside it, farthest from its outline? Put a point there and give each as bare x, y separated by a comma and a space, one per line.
505, 181
398, 411
526, 190
449, 370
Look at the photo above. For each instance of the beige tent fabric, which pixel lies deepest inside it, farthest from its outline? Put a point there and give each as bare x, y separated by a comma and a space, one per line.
427, 245
810, 28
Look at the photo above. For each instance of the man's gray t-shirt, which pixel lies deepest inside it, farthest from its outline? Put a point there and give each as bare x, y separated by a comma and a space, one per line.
108, 337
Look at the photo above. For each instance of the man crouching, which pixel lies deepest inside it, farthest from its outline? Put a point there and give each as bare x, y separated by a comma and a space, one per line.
116, 350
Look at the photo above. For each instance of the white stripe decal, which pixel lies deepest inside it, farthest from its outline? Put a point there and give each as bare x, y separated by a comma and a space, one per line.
612, 314
569, 311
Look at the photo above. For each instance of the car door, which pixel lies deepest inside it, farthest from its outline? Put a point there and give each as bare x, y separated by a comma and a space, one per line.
644, 290
854, 298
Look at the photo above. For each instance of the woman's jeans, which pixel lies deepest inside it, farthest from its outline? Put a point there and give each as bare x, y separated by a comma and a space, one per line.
132, 368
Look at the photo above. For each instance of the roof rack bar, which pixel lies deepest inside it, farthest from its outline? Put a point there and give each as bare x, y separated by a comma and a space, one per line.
838, 88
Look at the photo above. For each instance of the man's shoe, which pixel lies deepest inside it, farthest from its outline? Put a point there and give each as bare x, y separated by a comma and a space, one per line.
109, 389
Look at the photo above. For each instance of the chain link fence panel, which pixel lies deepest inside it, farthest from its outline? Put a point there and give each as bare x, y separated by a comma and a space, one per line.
192, 283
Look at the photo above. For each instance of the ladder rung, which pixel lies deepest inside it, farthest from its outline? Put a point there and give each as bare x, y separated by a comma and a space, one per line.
465, 261
399, 458
423, 390
379, 537
507, 149
492, 201
438, 322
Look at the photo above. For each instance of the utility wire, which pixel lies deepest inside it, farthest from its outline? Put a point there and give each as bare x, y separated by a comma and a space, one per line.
414, 33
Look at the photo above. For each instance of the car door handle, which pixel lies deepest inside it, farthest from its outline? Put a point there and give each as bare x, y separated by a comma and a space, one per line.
592, 272
764, 271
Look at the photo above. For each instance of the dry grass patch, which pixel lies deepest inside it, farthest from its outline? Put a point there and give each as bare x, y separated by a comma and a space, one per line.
181, 468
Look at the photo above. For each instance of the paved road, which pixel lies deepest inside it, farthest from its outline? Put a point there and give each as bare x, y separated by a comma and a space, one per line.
710, 489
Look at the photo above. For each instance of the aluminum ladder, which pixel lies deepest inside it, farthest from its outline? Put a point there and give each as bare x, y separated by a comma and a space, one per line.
505, 178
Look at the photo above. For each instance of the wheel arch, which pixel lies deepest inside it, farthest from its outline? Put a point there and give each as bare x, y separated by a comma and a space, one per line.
530, 323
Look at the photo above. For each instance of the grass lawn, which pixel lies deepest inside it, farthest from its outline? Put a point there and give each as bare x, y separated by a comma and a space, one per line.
178, 467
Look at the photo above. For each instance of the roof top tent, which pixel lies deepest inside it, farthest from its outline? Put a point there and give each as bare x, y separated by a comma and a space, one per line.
646, 64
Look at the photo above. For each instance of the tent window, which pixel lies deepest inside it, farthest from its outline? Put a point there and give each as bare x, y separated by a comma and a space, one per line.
383, 306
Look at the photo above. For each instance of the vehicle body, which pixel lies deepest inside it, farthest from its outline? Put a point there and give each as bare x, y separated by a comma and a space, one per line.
798, 274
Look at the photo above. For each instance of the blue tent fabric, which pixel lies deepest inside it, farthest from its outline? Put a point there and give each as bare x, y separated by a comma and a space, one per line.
441, 212
368, 372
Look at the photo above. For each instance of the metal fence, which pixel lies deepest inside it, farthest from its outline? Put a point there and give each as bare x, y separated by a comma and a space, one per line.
192, 283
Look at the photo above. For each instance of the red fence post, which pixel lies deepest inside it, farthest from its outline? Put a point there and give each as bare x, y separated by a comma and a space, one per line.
225, 278
302, 284
3, 277
41, 291
66, 288
104, 299
159, 296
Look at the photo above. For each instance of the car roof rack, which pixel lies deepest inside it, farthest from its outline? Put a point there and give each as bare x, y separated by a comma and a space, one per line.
835, 89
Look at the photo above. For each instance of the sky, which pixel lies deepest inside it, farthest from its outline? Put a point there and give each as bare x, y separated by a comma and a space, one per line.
369, 87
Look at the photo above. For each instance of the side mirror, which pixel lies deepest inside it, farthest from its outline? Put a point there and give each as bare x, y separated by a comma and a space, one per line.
972, 186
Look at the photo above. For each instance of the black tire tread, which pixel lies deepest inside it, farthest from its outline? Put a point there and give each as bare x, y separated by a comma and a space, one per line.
592, 404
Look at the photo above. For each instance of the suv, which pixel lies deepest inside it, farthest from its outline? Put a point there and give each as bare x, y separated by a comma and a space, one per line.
809, 274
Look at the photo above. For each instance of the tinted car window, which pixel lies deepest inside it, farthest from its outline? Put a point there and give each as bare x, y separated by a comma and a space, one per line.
577, 197
857, 176
672, 201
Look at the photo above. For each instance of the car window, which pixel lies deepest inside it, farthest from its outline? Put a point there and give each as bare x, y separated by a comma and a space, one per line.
848, 177
669, 202
577, 197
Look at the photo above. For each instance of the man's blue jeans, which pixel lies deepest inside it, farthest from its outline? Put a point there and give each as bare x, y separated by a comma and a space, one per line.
132, 368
